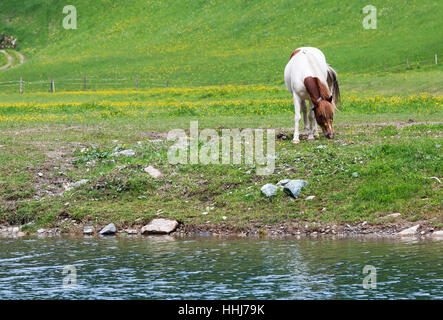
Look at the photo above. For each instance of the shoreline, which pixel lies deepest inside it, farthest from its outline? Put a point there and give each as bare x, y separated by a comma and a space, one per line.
223, 231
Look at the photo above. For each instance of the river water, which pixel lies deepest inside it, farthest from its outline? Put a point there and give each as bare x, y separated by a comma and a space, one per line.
205, 268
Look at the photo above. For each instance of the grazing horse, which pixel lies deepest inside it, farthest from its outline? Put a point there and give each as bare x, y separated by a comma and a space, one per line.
309, 77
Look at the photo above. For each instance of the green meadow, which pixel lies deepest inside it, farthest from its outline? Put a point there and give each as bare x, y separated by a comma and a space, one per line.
219, 63
203, 43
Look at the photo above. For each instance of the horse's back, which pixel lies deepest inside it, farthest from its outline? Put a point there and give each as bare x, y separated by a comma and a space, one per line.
306, 62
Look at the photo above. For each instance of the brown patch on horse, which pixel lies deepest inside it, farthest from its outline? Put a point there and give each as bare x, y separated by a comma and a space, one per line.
317, 89
324, 90
294, 53
312, 88
323, 107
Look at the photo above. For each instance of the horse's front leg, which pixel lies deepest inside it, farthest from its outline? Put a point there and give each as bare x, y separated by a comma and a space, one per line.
313, 132
297, 117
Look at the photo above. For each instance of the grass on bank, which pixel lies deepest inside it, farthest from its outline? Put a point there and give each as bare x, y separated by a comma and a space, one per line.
67, 142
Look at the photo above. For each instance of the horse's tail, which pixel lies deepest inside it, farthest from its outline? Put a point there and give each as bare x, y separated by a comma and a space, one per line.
333, 84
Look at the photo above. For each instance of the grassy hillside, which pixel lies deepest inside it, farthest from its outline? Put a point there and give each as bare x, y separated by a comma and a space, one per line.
215, 42
3, 59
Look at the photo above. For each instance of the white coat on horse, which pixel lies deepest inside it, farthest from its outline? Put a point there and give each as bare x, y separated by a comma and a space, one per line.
309, 77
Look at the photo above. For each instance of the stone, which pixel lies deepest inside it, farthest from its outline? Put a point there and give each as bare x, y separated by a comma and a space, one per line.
153, 172
160, 226
126, 153
269, 190
70, 186
310, 197
131, 231
79, 183
294, 187
88, 230
108, 230
393, 215
283, 182
41, 231
355, 174
409, 231
438, 234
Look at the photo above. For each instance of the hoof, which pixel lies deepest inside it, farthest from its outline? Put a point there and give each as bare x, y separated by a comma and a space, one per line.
295, 141
310, 138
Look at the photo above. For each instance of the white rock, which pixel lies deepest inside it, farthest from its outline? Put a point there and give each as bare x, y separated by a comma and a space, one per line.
70, 186
224, 217
153, 172
204, 213
438, 234
294, 187
160, 226
13, 229
41, 231
269, 190
40, 174
394, 215
126, 153
131, 231
310, 197
409, 231
90, 163
79, 183
88, 230
109, 229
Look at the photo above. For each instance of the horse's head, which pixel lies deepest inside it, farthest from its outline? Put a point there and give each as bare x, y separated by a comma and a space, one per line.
323, 105
324, 114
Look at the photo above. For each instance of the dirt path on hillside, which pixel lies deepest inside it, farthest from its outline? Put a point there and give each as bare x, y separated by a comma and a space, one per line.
11, 59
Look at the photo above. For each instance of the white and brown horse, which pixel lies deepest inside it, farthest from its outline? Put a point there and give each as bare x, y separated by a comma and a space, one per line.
309, 77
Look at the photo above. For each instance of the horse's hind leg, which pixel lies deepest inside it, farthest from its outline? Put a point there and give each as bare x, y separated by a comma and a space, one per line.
305, 118
297, 117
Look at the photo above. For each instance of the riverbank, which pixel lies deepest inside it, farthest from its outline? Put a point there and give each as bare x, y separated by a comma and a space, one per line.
66, 165
422, 230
